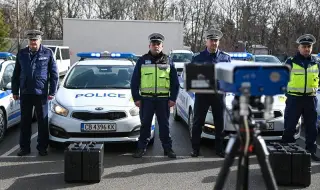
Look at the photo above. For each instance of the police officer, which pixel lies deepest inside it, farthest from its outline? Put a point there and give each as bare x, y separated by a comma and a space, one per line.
34, 70
210, 55
154, 87
301, 94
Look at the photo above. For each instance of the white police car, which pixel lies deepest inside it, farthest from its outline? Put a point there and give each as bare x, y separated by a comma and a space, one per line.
179, 58
9, 108
94, 102
184, 110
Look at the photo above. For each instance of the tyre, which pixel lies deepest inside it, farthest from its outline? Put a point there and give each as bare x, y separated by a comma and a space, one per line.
176, 117
190, 122
3, 124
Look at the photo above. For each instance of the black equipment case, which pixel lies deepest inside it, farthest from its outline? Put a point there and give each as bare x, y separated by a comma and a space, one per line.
73, 162
290, 163
92, 159
84, 162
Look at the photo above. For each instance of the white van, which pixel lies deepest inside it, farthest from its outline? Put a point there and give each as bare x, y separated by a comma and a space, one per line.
62, 55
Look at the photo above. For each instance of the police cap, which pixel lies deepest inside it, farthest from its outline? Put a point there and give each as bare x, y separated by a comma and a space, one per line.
213, 34
156, 37
34, 34
306, 39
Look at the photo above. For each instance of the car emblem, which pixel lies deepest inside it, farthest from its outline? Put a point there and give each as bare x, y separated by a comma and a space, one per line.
99, 108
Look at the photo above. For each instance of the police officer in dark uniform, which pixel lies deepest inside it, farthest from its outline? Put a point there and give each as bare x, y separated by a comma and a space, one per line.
154, 87
34, 70
210, 55
301, 94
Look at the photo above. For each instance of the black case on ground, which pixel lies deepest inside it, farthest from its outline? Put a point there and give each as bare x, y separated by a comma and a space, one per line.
92, 165
73, 162
290, 163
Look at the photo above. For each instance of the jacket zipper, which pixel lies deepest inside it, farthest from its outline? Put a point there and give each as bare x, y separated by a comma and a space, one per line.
156, 81
305, 80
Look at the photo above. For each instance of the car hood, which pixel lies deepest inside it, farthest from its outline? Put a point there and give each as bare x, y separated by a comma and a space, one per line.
278, 100
94, 97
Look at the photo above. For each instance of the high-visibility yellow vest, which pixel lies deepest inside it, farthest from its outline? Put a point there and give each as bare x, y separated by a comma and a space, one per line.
303, 81
155, 80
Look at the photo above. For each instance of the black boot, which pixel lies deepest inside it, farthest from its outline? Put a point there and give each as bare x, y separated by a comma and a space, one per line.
314, 157
170, 153
195, 153
139, 153
23, 152
43, 153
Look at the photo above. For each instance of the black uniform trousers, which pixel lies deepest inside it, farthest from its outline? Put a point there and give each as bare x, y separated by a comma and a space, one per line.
201, 107
40, 102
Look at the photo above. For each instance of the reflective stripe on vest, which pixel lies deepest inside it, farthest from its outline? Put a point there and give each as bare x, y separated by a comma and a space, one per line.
303, 81
155, 80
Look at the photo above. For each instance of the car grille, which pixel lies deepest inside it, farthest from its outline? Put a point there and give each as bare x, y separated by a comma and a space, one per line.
259, 115
86, 116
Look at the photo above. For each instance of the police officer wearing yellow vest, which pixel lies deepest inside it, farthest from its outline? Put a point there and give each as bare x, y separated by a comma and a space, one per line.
154, 88
301, 94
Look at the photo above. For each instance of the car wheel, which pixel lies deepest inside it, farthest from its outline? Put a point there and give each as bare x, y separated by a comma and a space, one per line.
176, 117
190, 122
3, 124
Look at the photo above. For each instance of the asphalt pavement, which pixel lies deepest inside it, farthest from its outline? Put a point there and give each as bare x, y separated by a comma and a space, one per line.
121, 171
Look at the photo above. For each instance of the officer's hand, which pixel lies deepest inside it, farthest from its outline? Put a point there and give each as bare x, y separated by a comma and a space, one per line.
16, 97
50, 97
171, 103
137, 103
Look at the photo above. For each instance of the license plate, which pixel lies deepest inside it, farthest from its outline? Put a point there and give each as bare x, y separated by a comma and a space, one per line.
98, 127
269, 126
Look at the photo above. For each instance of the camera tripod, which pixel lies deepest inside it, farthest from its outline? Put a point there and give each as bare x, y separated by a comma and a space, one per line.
237, 146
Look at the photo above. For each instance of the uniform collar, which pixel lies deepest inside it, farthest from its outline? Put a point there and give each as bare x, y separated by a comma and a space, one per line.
303, 57
208, 53
39, 50
156, 56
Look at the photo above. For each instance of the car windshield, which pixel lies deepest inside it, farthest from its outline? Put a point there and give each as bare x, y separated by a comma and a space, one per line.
52, 48
99, 77
268, 59
181, 57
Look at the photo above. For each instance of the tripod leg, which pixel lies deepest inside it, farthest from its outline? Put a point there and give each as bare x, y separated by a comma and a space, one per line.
231, 151
263, 159
243, 172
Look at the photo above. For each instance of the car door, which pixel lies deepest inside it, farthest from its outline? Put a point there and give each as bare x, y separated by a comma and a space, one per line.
13, 109
182, 99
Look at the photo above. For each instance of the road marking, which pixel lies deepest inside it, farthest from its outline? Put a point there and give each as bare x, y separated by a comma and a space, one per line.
304, 139
16, 147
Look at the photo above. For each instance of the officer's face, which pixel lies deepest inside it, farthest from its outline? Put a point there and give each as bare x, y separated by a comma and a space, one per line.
305, 50
34, 44
212, 44
156, 47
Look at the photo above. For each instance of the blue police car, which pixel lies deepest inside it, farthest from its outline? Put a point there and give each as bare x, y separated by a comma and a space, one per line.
94, 101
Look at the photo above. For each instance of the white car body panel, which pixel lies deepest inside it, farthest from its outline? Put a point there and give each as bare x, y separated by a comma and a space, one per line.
88, 100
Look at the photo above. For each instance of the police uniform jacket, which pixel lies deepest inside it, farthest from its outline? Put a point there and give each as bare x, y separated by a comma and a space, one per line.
34, 72
302, 61
136, 76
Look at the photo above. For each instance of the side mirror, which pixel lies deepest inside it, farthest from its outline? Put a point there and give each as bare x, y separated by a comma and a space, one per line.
181, 85
8, 86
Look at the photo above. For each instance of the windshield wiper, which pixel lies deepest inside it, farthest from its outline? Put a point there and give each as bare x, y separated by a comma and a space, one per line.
73, 87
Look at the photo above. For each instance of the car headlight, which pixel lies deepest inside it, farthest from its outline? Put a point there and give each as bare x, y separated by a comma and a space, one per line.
134, 111
59, 109
282, 99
